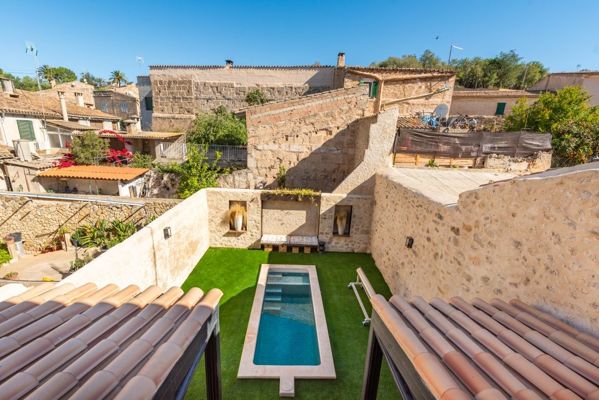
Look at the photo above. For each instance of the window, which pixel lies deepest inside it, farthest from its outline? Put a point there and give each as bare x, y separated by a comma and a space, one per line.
124, 107
500, 109
373, 86
26, 129
342, 223
149, 103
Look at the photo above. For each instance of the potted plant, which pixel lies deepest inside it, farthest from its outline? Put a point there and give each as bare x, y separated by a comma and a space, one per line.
64, 237
341, 221
237, 216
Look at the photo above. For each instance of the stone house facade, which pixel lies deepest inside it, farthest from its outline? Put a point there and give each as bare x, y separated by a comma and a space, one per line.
336, 140
312, 138
177, 93
488, 102
180, 92
588, 80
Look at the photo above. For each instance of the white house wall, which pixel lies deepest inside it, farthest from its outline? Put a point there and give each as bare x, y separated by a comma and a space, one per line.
9, 131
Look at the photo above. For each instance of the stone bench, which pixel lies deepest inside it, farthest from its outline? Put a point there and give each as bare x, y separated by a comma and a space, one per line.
295, 242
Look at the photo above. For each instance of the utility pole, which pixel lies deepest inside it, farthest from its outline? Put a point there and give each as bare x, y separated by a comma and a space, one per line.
30, 48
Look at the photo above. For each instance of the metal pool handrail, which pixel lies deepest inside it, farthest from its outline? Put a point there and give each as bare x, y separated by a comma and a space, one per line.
363, 282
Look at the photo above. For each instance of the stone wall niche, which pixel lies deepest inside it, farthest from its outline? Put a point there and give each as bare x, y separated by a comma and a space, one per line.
238, 216
342, 220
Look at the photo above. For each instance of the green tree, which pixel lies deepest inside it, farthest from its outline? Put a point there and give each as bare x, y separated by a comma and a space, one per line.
219, 127
89, 149
428, 59
92, 79
30, 84
196, 172
24, 83
58, 74
567, 115
506, 70
141, 160
46, 72
530, 74
256, 97
118, 77
406, 61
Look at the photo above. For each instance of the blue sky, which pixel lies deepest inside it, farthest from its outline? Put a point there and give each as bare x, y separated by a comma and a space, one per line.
101, 36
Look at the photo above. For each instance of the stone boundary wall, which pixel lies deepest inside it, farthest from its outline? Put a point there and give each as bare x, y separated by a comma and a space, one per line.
180, 93
314, 138
39, 219
535, 238
222, 236
149, 257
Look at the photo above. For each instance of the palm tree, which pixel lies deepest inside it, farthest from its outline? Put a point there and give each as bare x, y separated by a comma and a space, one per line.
117, 77
46, 72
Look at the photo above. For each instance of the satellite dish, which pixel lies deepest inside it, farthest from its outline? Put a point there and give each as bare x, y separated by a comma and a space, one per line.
441, 110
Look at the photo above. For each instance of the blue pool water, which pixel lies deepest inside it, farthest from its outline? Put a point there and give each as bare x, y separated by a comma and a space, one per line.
287, 333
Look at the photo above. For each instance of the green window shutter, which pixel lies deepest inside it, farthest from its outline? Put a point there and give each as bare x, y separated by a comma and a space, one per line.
500, 109
149, 103
26, 129
374, 89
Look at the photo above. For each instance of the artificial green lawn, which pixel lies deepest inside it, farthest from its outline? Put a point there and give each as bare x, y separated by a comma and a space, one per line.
235, 272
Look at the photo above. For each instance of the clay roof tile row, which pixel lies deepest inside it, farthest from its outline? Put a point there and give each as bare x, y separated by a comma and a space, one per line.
493, 349
95, 343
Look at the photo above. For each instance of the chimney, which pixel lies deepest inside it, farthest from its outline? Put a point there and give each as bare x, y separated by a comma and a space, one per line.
79, 97
228, 64
6, 86
341, 60
63, 106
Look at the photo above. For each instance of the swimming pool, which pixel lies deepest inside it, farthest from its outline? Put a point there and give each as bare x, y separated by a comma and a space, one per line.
287, 336
287, 322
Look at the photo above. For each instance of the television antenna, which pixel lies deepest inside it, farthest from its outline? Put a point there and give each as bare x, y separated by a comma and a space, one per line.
453, 46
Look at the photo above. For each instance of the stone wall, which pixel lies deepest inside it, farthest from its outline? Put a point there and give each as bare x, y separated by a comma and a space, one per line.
181, 92
314, 138
407, 88
372, 151
535, 238
220, 232
150, 257
222, 236
358, 240
39, 219
296, 218
465, 103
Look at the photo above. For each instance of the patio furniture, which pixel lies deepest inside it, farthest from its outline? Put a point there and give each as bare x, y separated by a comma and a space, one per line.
283, 242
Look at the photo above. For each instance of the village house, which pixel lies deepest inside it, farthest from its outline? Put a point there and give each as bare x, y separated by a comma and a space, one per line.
35, 117
94, 179
178, 92
588, 80
77, 92
122, 101
487, 102
172, 95
146, 105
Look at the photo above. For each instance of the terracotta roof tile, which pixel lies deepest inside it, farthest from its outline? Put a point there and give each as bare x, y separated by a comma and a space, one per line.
493, 349
92, 343
100, 172
47, 104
